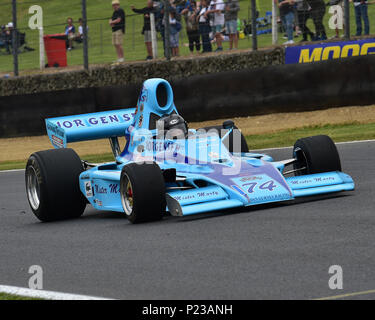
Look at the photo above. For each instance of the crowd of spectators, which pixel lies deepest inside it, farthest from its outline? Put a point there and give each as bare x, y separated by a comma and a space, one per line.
294, 15
207, 22
210, 22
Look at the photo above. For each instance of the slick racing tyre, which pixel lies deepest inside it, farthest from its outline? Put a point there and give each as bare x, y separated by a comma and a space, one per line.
142, 190
52, 185
315, 155
232, 146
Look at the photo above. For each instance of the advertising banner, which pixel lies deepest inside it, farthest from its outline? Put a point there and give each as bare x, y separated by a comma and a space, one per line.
328, 51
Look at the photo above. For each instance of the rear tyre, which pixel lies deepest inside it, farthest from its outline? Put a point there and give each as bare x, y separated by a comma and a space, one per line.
232, 146
142, 190
52, 185
315, 155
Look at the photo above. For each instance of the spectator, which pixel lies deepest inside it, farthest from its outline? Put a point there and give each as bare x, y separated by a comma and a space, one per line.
175, 28
217, 7
146, 31
79, 37
5, 39
204, 26
304, 13
287, 17
231, 15
361, 12
318, 10
117, 22
70, 32
192, 25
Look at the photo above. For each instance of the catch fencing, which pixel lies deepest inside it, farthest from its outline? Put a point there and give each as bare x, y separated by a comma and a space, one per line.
259, 25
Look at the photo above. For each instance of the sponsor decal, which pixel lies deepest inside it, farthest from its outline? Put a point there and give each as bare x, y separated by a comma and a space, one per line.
100, 190
88, 189
329, 51
198, 195
98, 202
162, 145
252, 178
57, 141
143, 95
312, 180
55, 129
140, 120
141, 107
93, 121
114, 188
85, 176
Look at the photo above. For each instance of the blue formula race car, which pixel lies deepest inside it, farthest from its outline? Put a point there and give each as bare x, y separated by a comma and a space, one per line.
167, 167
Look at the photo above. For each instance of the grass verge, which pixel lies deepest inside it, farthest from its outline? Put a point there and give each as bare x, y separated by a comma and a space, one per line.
5, 296
338, 132
282, 138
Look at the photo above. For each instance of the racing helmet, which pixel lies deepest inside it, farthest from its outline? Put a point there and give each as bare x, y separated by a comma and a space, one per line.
172, 126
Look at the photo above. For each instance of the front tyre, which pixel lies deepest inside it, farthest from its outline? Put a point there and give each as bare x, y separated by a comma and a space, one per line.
52, 185
316, 154
142, 190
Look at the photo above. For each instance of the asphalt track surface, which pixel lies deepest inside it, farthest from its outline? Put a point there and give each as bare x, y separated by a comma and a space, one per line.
270, 252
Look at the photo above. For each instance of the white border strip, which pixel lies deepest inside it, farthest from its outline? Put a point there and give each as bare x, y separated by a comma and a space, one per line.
265, 149
12, 170
345, 142
42, 294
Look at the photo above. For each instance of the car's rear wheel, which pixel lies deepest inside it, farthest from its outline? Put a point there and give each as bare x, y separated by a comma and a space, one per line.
52, 185
234, 142
142, 190
315, 155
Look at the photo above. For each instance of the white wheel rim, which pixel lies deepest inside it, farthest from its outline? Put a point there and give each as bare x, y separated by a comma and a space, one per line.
33, 188
127, 196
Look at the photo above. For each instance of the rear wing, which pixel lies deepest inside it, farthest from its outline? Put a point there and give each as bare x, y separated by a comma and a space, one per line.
90, 126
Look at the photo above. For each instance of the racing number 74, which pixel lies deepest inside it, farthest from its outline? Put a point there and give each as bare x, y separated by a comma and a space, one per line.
269, 185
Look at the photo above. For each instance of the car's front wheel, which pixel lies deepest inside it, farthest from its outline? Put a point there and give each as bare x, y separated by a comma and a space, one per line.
52, 185
315, 155
142, 190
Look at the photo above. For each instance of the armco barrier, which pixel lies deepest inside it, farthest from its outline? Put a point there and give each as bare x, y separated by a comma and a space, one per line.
221, 95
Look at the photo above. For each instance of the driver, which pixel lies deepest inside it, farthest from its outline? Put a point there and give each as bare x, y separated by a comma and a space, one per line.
172, 127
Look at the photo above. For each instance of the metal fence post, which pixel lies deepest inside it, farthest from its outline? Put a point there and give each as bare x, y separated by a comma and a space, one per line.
153, 36
101, 38
167, 44
85, 46
254, 24
347, 19
42, 61
274, 23
15, 38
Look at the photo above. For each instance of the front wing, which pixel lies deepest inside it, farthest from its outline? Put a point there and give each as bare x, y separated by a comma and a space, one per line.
101, 188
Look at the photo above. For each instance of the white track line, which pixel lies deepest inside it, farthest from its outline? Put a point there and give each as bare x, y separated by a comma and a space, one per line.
345, 142
42, 294
266, 149
13, 170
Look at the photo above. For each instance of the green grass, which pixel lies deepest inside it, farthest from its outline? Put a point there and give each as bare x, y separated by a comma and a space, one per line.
339, 133
5, 296
100, 48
